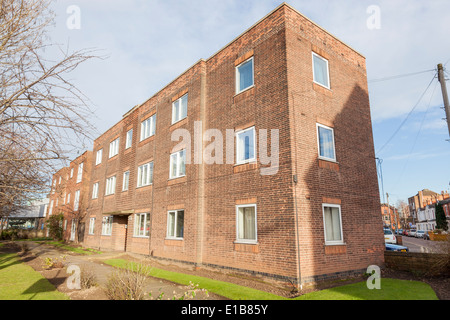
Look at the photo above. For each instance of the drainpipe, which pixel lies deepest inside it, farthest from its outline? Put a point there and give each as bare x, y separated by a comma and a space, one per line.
299, 278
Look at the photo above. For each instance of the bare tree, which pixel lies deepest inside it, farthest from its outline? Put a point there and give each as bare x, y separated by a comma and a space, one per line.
43, 116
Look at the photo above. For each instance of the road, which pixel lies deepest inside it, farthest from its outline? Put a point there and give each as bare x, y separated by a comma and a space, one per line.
420, 245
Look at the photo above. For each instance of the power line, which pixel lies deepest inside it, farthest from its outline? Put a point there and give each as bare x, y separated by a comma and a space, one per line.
407, 116
400, 76
417, 136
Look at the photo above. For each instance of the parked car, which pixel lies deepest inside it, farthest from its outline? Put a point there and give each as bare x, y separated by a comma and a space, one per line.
396, 247
412, 233
426, 236
389, 236
400, 232
419, 233
405, 232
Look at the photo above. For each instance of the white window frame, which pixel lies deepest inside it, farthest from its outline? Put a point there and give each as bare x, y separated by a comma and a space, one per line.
178, 160
95, 191
238, 161
76, 201
137, 220
114, 147
148, 180
107, 225
71, 172
91, 226
178, 117
50, 210
314, 71
174, 237
98, 157
80, 172
110, 187
249, 241
332, 242
68, 199
148, 127
125, 181
318, 125
237, 75
129, 139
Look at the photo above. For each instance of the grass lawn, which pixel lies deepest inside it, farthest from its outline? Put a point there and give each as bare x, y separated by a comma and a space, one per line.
224, 289
68, 247
19, 281
391, 289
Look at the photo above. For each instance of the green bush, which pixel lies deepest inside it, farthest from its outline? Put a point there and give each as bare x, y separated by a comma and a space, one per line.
54, 225
10, 234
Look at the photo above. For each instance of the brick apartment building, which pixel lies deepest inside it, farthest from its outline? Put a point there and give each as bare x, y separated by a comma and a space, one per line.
390, 216
315, 216
70, 196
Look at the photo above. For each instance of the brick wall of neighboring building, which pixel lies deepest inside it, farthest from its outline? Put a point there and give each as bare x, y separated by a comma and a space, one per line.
290, 220
62, 196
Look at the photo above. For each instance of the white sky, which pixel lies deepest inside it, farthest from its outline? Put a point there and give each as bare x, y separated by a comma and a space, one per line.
149, 43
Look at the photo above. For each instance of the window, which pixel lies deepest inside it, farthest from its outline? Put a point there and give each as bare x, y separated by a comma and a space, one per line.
142, 225
95, 190
178, 164
332, 223
148, 127
179, 109
59, 180
76, 200
129, 140
145, 175
110, 185
68, 199
91, 225
126, 180
80, 173
246, 146
71, 172
114, 148
50, 210
244, 75
320, 71
98, 157
326, 142
107, 225
246, 223
175, 224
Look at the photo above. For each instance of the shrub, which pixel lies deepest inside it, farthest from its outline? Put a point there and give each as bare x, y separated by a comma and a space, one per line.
87, 278
128, 283
54, 225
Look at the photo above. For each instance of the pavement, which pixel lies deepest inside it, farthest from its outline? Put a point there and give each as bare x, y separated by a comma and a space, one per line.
102, 271
420, 245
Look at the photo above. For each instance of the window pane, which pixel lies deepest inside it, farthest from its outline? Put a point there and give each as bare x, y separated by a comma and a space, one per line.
246, 146
184, 106
176, 111
182, 163
152, 125
326, 144
147, 224
245, 75
320, 71
171, 224
180, 224
332, 224
247, 223
173, 165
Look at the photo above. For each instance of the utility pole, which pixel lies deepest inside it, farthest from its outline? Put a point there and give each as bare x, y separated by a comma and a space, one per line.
389, 211
441, 78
